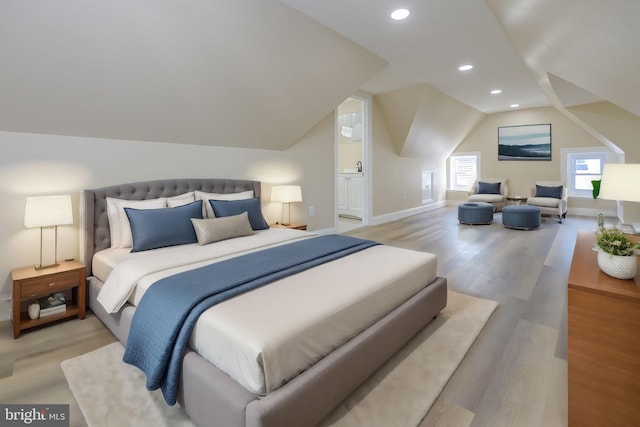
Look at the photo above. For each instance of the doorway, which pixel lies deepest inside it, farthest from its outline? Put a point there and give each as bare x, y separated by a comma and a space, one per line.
352, 167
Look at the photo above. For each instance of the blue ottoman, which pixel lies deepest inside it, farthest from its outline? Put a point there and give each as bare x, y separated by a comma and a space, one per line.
475, 213
521, 217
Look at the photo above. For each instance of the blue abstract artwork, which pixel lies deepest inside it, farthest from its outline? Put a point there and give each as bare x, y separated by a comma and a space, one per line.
527, 142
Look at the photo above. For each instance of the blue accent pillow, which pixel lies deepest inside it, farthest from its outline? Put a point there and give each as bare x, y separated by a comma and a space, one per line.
235, 207
554, 192
158, 228
488, 188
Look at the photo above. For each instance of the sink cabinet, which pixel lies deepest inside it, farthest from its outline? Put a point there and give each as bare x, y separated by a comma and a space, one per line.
350, 195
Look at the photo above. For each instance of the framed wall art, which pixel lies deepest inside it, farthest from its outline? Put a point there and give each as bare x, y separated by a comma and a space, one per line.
526, 142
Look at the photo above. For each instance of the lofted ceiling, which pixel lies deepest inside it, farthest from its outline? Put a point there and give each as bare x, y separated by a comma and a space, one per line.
430, 45
261, 73
512, 44
560, 53
590, 44
250, 73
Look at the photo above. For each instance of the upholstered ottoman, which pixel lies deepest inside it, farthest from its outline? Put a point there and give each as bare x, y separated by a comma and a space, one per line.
521, 217
475, 213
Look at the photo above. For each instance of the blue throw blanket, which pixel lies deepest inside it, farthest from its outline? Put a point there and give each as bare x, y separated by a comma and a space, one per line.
169, 309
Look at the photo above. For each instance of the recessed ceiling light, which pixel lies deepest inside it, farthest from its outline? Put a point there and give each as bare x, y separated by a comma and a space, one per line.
399, 14
496, 91
514, 105
465, 67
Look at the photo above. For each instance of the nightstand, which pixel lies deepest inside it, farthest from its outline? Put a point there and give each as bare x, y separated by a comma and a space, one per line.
30, 284
292, 226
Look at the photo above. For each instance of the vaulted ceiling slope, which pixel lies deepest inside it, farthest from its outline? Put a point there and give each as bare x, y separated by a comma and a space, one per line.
591, 44
250, 73
540, 52
437, 37
424, 122
584, 56
261, 73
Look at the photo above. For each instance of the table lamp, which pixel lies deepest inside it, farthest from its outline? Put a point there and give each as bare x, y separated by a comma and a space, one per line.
48, 212
620, 182
286, 194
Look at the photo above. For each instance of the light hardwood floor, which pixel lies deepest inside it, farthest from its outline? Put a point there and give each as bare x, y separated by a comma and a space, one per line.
515, 374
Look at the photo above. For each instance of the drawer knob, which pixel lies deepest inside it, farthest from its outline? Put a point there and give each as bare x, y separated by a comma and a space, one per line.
52, 284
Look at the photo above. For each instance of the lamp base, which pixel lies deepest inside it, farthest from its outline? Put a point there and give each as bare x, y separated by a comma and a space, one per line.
288, 222
44, 267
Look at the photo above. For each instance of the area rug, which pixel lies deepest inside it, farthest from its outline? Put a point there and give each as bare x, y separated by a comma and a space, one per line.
112, 393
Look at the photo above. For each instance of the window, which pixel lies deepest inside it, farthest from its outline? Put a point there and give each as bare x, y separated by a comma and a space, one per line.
463, 170
350, 125
581, 168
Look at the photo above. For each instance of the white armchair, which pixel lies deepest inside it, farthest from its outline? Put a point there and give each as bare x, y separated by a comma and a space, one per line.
551, 199
485, 190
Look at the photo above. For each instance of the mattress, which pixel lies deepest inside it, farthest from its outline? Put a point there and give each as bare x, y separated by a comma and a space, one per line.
267, 336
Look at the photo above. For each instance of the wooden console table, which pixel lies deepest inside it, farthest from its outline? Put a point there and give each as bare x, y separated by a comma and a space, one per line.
603, 342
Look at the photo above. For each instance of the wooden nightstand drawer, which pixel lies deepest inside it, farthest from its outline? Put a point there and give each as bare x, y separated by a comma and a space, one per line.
47, 285
29, 284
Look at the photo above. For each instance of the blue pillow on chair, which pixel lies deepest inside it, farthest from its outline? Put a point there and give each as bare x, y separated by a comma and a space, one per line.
157, 228
488, 188
236, 207
553, 192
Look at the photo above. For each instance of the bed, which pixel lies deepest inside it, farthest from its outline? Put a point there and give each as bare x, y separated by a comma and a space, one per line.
214, 395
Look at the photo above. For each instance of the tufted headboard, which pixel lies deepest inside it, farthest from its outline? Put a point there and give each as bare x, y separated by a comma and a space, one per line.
96, 222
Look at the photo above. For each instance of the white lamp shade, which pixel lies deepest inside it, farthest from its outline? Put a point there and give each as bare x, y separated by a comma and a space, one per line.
620, 181
286, 193
48, 211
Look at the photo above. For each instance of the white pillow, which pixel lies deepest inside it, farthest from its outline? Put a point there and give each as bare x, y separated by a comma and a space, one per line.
207, 210
119, 227
181, 200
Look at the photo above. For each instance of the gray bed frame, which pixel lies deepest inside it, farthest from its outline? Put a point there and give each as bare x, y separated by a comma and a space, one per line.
208, 395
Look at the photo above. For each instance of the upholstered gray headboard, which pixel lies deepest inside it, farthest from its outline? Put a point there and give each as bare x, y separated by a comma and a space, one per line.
96, 222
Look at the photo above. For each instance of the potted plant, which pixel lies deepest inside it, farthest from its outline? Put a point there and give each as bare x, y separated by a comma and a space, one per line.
616, 253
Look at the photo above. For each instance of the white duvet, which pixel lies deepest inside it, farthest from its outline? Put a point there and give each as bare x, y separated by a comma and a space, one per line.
267, 336
126, 274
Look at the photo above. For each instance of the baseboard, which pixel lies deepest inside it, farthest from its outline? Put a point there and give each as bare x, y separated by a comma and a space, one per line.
591, 212
381, 219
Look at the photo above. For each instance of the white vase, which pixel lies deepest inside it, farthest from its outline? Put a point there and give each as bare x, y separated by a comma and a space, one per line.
34, 311
620, 267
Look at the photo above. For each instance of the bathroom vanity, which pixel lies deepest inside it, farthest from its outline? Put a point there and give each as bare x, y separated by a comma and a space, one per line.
350, 194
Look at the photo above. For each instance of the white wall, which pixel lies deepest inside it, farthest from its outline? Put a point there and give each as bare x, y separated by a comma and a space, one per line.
34, 164
621, 128
397, 180
523, 174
